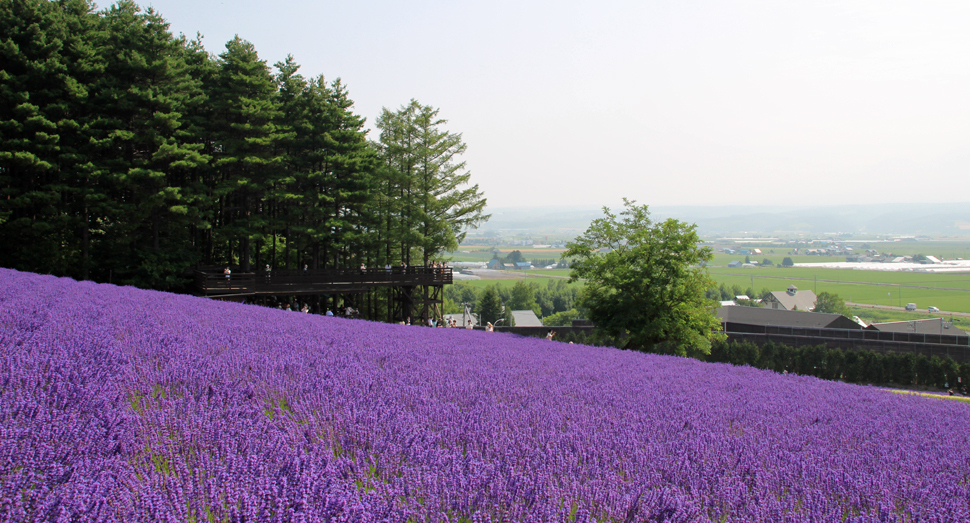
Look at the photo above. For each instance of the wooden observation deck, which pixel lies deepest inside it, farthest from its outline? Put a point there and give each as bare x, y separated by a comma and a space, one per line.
316, 281
214, 284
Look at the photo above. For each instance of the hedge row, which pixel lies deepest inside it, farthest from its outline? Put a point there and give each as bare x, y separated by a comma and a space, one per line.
903, 369
906, 369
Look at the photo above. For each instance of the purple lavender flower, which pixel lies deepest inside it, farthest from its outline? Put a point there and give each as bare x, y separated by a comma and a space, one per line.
118, 404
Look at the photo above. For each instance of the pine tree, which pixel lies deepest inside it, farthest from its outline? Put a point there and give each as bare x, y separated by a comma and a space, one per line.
349, 170
489, 306
44, 82
142, 156
244, 108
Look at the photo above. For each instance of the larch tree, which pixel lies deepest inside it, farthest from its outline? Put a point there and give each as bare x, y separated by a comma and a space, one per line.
438, 205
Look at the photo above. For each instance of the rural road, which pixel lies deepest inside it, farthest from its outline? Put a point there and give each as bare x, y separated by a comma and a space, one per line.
903, 309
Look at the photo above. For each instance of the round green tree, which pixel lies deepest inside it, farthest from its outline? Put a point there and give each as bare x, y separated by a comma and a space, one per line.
643, 281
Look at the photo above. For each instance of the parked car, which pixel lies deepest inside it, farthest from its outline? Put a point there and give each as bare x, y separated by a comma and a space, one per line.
933, 309
911, 306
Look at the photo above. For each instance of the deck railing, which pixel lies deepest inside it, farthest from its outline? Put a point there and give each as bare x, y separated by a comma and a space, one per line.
297, 281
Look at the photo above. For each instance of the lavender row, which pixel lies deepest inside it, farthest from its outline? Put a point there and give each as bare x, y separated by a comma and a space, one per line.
118, 404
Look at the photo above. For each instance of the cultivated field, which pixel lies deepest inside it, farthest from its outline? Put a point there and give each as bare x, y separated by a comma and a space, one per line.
949, 292
119, 404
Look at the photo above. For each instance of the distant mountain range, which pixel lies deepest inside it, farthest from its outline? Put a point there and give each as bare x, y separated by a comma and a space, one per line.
911, 219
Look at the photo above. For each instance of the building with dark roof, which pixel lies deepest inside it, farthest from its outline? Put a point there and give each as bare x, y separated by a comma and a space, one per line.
930, 326
784, 318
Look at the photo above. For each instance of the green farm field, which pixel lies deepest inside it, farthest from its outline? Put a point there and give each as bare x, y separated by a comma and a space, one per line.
949, 249
483, 254
949, 292
873, 315
537, 276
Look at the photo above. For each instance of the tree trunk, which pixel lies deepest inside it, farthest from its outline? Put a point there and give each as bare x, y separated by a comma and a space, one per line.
85, 246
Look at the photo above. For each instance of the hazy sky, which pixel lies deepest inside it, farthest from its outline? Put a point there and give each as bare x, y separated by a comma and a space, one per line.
667, 103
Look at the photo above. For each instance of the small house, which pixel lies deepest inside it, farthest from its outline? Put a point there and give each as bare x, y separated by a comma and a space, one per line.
791, 299
526, 318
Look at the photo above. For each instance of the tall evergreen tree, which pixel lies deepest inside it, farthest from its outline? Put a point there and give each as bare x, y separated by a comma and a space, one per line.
423, 162
396, 177
244, 106
286, 216
446, 208
348, 174
48, 62
141, 154
128, 154
489, 306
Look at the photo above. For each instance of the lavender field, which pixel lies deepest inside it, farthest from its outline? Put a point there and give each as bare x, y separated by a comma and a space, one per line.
119, 404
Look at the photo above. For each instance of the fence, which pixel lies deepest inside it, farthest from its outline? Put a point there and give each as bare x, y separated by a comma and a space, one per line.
955, 347
317, 281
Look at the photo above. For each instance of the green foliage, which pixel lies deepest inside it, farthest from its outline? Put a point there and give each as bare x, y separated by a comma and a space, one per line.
831, 303
462, 292
49, 65
648, 285
421, 164
787, 262
523, 297
515, 257
489, 306
132, 155
902, 369
561, 319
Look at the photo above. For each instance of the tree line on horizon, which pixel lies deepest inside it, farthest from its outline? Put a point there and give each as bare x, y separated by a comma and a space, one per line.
132, 154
